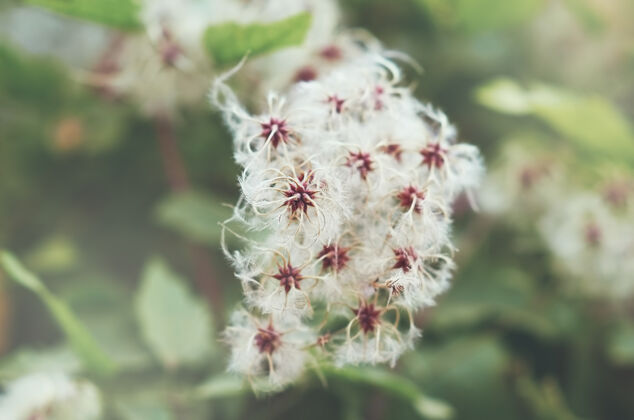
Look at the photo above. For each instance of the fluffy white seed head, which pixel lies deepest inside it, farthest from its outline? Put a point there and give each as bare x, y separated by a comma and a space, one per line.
351, 181
53, 396
272, 348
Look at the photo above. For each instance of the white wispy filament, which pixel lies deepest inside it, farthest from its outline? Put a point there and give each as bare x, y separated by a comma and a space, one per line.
350, 180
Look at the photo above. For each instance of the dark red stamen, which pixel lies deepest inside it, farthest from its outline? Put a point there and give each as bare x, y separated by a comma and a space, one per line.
169, 50
267, 340
300, 195
528, 177
405, 258
277, 130
368, 317
360, 161
396, 289
393, 149
305, 74
411, 196
378, 102
593, 234
289, 277
322, 340
334, 257
433, 155
617, 194
337, 102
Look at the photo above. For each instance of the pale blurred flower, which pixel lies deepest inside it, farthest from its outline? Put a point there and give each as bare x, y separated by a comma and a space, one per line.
166, 67
589, 231
50, 396
523, 181
593, 242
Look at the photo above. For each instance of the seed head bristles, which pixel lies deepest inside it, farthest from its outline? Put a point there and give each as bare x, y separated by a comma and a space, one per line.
351, 180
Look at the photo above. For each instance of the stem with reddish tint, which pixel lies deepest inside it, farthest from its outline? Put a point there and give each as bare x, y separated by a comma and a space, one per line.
178, 180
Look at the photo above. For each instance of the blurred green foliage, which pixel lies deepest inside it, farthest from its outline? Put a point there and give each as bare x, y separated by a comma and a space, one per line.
115, 13
78, 336
591, 122
229, 42
176, 325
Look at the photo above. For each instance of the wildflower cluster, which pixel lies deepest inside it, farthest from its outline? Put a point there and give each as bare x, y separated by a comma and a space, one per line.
350, 181
589, 231
50, 396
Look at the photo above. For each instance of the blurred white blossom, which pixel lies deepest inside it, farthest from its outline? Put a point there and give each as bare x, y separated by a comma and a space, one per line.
589, 231
166, 66
49, 396
591, 236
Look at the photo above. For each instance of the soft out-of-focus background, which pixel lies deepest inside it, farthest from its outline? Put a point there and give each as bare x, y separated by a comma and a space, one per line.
529, 330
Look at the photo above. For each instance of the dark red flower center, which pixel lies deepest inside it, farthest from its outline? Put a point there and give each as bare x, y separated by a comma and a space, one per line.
368, 316
306, 74
331, 53
300, 195
324, 339
336, 102
275, 129
411, 196
528, 177
405, 258
361, 161
433, 155
378, 102
396, 289
289, 277
393, 149
267, 339
169, 50
617, 194
333, 257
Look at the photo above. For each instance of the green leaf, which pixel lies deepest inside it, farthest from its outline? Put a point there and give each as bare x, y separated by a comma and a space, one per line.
229, 42
121, 14
591, 122
105, 306
545, 400
78, 336
482, 293
54, 254
221, 386
504, 95
195, 215
470, 372
143, 410
175, 324
480, 15
396, 385
27, 80
621, 345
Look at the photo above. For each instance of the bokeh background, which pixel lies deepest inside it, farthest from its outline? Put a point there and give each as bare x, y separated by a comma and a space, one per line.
89, 195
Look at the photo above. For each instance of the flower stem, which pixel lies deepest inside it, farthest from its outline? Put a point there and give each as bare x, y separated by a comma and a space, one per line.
178, 179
